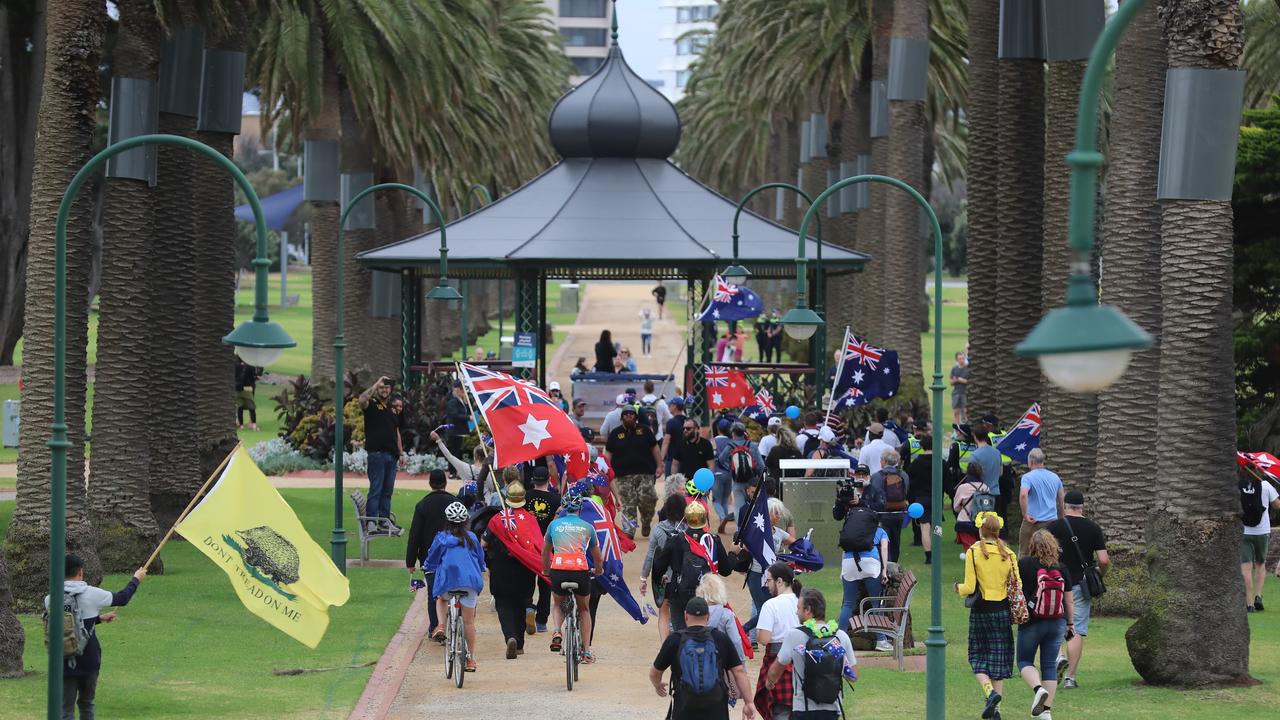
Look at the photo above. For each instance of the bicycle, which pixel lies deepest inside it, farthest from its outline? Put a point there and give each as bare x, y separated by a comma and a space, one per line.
455, 654
572, 643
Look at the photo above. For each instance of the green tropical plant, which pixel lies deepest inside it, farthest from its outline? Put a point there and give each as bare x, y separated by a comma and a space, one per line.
1261, 51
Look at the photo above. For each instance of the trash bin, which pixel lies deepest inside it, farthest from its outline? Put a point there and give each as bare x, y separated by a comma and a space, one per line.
11, 422
569, 297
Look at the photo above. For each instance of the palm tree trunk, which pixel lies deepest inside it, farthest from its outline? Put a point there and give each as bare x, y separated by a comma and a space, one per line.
1020, 197
1130, 249
877, 285
1070, 422
1193, 534
982, 249
120, 480
902, 247
842, 231
67, 119
324, 125
357, 157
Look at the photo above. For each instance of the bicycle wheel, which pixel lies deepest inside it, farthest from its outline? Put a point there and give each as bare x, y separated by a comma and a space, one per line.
460, 650
448, 645
570, 644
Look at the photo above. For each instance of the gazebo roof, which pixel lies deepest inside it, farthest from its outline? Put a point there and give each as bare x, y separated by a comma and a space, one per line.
613, 203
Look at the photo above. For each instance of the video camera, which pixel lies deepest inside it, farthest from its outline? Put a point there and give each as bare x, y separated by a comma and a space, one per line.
849, 489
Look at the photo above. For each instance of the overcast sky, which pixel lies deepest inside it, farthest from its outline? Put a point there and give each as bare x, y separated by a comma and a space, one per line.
638, 22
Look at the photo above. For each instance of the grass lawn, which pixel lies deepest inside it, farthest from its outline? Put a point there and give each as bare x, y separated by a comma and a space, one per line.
186, 648
295, 320
8, 484
955, 333
1109, 687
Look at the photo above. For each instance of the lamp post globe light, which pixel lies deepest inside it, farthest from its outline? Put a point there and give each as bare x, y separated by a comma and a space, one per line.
259, 341
1083, 346
338, 540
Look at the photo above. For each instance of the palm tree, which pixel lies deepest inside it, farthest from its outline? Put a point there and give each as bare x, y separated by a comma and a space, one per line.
13, 638
1194, 525
982, 113
65, 127
1261, 51
1130, 249
120, 483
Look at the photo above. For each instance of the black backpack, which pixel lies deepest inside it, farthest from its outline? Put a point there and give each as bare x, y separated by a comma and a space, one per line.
822, 678
858, 534
701, 675
692, 568
648, 416
811, 443
1251, 502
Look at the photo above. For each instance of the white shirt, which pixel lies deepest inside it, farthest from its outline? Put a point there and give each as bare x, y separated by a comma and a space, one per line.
871, 452
766, 444
611, 421
778, 615
93, 600
1263, 527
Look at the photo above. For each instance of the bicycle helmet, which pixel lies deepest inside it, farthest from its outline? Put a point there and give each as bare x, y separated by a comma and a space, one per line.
456, 512
572, 502
692, 490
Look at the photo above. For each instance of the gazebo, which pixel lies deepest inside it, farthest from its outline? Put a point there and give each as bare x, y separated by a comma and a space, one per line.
614, 207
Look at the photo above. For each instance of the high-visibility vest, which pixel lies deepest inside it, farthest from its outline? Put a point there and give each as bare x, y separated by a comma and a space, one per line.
966, 450
996, 437
913, 447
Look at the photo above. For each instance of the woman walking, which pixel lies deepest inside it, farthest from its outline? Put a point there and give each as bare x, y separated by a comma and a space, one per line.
671, 525
1046, 586
605, 353
987, 569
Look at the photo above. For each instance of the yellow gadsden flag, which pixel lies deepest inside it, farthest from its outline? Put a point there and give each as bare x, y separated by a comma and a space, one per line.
279, 572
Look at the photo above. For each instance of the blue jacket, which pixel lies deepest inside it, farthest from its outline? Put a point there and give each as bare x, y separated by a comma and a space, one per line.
456, 567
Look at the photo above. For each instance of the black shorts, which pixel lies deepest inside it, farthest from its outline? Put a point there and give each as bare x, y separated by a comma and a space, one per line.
582, 577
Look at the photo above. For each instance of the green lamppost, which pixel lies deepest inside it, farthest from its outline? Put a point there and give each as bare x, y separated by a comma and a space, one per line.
1085, 346
935, 643
258, 341
338, 542
736, 274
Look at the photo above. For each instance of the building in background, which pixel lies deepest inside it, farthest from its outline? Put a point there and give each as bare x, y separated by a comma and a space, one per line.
683, 16
584, 25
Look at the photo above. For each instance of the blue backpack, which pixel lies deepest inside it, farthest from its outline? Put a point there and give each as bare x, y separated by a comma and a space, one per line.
700, 673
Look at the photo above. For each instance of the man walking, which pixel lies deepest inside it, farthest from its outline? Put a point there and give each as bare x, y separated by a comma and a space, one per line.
1257, 497
672, 437
1041, 498
738, 464
382, 442
633, 453
820, 657
428, 520
698, 695
84, 604
458, 418
873, 450
1081, 540
510, 582
960, 389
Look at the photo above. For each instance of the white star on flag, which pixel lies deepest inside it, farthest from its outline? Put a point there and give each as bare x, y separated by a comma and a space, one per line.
886, 371
1021, 446
715, 313
535, 431
758, 521
857, 377
717, 398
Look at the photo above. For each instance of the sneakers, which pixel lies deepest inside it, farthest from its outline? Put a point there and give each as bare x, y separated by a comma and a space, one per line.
1038, 701
438, 634
373, 527
511, 648
471, 664
990, 710
1069, 684
394, 530
542, 627
884, 646
557, 640
1063, 664
1257, 603
530, 621
644, 527
1046, 715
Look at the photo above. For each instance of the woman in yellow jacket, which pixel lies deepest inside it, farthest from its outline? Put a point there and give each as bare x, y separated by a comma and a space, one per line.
988, 564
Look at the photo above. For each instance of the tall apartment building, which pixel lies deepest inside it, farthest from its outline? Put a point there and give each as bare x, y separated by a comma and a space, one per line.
584, 25
682, 51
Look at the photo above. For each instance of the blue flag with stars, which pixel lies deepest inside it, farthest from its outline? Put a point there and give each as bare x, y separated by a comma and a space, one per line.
865, 372
757, 531
1024, 437
732, 302
611, 553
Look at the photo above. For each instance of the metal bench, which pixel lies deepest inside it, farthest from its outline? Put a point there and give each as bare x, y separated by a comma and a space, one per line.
362, 524
894, 621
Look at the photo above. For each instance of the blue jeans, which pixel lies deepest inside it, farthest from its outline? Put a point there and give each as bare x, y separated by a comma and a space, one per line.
721, 490
1045, 636
646, 343
382, 480
740, 496
758, 597
854, 591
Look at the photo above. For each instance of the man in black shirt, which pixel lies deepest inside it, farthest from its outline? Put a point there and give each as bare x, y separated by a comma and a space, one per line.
382, 442
428, 520
633, 453
671, 433
660, 295
695, 451
1089, 541
714, 704
543, 503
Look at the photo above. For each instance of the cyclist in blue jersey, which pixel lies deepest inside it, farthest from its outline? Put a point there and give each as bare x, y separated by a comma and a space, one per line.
564, 559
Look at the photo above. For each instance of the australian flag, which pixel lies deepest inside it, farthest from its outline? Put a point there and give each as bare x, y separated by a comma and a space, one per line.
762, 408
611, 551
865, 372
1024, 436
732, 302
757, 531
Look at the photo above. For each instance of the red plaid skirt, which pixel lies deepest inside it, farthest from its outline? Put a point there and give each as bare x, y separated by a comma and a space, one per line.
781, 694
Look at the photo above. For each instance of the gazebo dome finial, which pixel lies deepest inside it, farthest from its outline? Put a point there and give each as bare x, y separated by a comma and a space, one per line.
614, 113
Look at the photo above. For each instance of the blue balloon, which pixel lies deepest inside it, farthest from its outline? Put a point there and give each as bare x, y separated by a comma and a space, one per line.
793, 412
915, 511
703, 479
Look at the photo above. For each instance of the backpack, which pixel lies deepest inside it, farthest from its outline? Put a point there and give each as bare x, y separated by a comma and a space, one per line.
75, 636
981, 502
742, 464
1051, 589
648, 416
858, 534
692, 568
822, 678
811, 443
895, 492
700, 683
1251, 502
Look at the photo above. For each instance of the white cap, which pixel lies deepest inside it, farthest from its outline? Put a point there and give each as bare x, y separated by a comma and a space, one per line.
775, 421
826, 434
622, 399
554, 385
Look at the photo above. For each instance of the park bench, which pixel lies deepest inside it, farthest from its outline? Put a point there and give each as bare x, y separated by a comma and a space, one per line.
362, 524
895, 620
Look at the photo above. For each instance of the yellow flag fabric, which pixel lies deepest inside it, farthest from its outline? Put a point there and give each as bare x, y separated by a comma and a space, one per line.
279, 572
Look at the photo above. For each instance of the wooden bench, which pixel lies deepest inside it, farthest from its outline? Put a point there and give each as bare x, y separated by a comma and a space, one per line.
362, 524
894, 621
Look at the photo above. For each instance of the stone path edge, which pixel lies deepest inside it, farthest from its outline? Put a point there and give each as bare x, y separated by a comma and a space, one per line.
393, 666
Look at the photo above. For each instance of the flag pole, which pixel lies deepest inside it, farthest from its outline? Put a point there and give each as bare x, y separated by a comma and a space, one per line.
1260, 476
190, 505
839, 370
466, 395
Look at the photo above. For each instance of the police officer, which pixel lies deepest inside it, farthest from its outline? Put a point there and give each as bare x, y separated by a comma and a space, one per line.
958, 455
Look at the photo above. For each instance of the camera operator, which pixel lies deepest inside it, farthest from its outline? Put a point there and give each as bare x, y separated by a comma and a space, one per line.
864, 545
857, 490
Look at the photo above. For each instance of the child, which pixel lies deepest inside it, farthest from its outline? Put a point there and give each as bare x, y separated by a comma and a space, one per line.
458, 563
